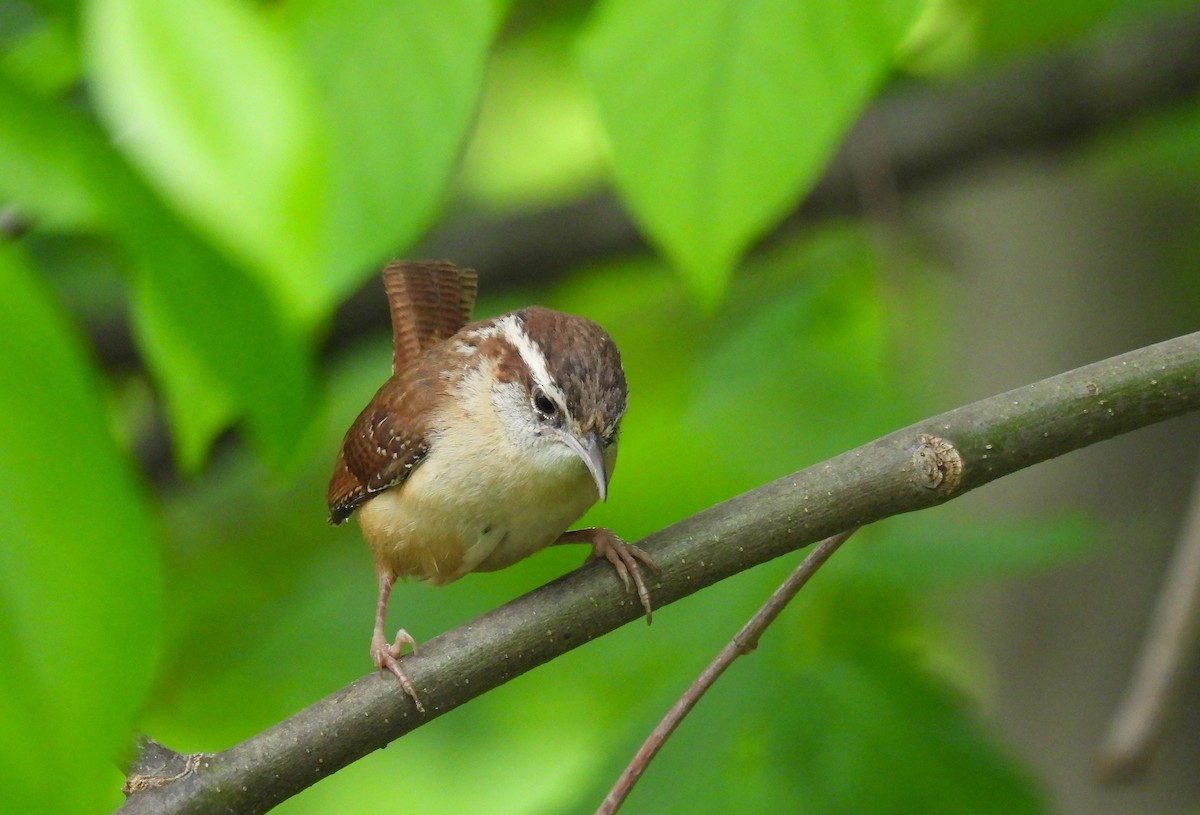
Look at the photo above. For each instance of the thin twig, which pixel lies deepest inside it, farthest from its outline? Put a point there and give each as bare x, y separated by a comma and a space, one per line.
742, 643
1137, 727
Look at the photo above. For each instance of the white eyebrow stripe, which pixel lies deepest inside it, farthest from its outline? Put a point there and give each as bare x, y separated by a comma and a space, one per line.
511, 328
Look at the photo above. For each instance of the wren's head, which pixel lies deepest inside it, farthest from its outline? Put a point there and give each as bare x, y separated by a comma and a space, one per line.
560, 389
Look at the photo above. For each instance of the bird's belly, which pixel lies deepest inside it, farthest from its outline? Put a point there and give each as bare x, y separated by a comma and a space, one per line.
445, 522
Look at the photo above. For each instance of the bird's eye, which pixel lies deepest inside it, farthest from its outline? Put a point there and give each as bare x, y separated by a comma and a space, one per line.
544, 404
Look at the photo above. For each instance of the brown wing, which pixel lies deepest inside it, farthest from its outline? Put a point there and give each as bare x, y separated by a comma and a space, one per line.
386, 443
429, 301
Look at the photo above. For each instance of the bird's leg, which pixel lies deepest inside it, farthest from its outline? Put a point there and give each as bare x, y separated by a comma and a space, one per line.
385, 656
625, 558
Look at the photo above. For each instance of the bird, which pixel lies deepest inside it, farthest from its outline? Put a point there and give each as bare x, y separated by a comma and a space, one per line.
488, 441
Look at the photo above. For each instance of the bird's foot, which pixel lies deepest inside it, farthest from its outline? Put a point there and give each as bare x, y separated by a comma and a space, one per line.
387, 658
625, 558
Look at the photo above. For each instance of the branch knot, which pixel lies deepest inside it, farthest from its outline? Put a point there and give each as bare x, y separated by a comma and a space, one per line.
938, 464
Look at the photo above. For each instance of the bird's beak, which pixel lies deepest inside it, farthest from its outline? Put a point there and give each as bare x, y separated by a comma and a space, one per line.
588, 448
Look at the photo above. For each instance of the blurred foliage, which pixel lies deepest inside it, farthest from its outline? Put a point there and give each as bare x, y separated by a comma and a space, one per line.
1008, 28
227, 172
765, 88
82, 574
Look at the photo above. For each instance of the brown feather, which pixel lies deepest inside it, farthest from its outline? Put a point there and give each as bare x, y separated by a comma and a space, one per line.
429, 301
384, 444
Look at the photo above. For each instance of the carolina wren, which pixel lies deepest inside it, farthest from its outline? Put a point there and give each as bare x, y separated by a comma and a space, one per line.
488, 441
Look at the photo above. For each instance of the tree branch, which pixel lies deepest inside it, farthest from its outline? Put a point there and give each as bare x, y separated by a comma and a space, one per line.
920, 466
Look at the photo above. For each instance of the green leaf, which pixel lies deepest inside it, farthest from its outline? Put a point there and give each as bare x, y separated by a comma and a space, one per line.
1019, 26
721, 113
44, 59
810, 312
536, 140
220, 347
79, 568
68, 9
197, 402
207, 101
52, 162
829, 716
399, 82
874, 734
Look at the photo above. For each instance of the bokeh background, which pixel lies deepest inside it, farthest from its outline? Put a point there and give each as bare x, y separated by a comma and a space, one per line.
806, 224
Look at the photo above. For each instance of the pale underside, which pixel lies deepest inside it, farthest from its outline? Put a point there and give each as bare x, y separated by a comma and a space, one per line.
479, 501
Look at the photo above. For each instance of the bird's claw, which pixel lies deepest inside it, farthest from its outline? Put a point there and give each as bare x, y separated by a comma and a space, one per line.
627, 560
387, 658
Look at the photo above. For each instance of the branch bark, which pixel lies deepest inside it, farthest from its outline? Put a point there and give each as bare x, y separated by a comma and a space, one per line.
920, 466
